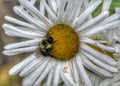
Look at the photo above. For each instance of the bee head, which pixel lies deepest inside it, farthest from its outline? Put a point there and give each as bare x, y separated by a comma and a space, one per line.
46, 45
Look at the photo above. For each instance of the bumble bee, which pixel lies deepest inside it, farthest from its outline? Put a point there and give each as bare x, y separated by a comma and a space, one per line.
46, 45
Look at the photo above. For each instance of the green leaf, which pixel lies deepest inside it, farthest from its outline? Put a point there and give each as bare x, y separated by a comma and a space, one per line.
115, 3
97, 10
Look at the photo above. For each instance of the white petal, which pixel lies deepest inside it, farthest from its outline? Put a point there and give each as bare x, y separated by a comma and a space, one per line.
32, 9
53, 5
20, 50
86, 13
95, 79
20, 33
32, 66
93, 21
50, 78
90, 41
32, 1
56, 75
51, 14
77, 9
106, 5
30, 79
116, 35
61, 5
82, 71
109, 82
67, 15
17, 68
109, 35
19, 22
117, 10
76, 74
86, 3
111, 18
116, 84
102, 57
106, 82
19, 10
66, 76
100, 64
42, 8
101, 28
44, 74
117, 48
23, 44
95, 68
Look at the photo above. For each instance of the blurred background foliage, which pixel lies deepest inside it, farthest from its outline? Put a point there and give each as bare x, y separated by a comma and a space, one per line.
114, 4
6, 8
6, 62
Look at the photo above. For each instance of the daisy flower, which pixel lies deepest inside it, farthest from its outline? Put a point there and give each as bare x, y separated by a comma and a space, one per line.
58, 32
113, 35
115, 80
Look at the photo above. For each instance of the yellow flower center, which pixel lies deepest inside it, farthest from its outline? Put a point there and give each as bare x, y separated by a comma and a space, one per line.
65, 42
